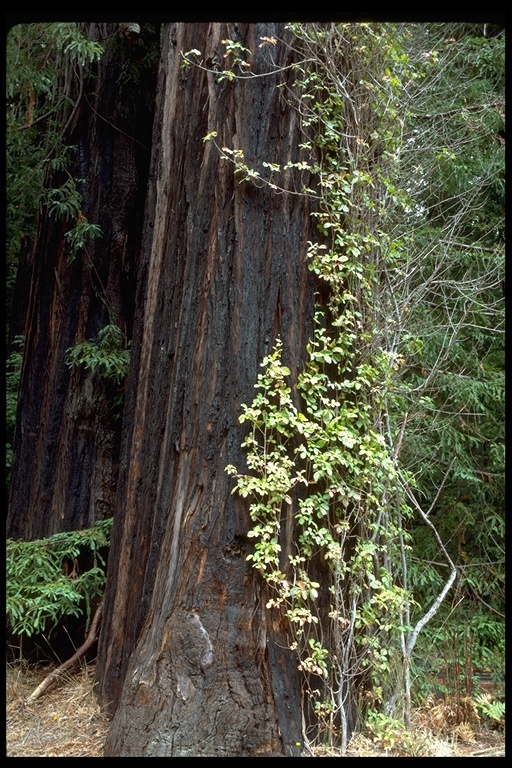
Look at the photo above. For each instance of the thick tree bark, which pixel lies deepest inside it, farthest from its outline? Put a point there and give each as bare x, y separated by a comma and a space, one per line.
190, 662
66, 445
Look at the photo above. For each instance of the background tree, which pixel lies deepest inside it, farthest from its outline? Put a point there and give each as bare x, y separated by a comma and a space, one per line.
79, 134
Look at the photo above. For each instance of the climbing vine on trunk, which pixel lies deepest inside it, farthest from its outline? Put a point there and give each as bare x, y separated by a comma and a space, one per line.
327, 448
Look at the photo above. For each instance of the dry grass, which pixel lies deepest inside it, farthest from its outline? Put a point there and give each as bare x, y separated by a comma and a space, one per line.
67, 722
442, 728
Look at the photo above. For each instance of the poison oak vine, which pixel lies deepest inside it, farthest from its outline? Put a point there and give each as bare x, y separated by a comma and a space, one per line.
325, 456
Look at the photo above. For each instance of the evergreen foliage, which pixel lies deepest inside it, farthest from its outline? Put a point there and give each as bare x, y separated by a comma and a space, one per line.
42, 61
448, 401
44, 581
109, 356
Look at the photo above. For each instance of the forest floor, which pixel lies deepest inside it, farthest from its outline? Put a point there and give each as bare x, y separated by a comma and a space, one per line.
66, 721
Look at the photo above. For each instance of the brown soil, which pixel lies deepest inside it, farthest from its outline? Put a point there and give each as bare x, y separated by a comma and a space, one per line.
67, 722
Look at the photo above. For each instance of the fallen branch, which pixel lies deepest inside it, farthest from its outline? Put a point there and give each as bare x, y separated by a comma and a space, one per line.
489, 752
90, 639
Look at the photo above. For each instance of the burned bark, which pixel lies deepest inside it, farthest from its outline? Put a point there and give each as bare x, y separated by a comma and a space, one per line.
66, 444
189, 661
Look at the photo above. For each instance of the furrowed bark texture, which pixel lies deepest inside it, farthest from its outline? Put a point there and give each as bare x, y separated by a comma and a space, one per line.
65, 463
190, 662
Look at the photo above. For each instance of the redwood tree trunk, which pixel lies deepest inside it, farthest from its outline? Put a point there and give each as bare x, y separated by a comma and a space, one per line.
189, 661
66, 445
